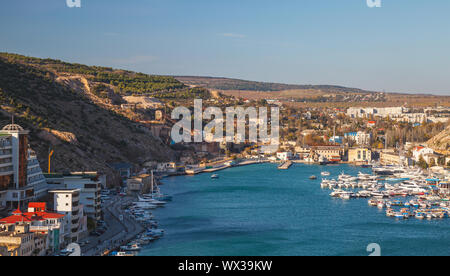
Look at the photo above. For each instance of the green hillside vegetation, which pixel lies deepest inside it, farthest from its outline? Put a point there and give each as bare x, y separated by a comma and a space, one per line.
244, 85
85, 136
127, 82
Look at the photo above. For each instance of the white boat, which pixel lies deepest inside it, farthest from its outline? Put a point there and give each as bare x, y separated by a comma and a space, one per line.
155, 232
215, 176
131, 247
145, 205
122, 254
325, 173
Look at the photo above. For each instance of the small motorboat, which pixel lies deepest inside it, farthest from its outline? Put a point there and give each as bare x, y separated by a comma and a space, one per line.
122, 254
313, 177
214, 176
325, 173
131, 247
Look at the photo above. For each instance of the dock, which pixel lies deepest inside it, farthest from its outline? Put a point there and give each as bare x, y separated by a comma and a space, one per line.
285, 165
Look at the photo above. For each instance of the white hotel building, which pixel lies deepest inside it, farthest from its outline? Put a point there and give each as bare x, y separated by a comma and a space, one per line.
21, 179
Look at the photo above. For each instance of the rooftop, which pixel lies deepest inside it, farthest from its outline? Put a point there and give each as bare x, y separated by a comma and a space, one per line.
61, 191
18, 217
75, 174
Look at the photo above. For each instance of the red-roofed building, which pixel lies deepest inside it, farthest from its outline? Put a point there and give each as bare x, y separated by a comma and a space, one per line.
371, 124
53, 225
421, 151
37, 207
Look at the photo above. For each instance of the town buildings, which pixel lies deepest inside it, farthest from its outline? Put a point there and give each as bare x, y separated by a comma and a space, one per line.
421, 151
67, 202
284, 156
385, 112
21, 179
18, 240
361, 138
88, 184
139, 184
331, 153
49, 229
359, 155
392, 158
142, 102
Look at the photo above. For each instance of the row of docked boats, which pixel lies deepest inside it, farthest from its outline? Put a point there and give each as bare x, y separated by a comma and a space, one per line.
403, 192
425, 207
140, 211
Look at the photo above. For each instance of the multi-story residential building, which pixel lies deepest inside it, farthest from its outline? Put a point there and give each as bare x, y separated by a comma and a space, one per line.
6, 166
361, 138
20, 241
359, 155
388, 158
21, 179
139, 183
52, 226
89, 185
67, 202
331, 153
35, 176
358, 112
410, 118
13, 177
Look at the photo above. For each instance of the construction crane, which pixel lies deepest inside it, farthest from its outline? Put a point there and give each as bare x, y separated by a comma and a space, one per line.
50, 154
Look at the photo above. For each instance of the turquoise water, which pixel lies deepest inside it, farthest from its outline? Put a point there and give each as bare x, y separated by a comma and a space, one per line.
260, 210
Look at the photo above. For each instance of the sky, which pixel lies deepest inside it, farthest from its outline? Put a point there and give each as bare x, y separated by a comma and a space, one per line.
401, 47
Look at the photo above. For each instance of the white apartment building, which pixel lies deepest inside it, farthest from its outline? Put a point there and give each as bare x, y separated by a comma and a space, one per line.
361, 138
284, 156
421, 151
384, 112
89, 185
67, 202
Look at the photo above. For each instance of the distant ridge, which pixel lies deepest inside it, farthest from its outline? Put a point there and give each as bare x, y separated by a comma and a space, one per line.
222, 83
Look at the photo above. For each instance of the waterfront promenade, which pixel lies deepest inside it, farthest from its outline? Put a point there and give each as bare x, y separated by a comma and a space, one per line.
118, 233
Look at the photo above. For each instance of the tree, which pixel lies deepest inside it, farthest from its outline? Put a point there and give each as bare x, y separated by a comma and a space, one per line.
432, 162
422, 163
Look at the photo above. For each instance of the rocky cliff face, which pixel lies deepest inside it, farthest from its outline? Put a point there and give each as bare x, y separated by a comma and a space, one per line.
86, 132
441, 142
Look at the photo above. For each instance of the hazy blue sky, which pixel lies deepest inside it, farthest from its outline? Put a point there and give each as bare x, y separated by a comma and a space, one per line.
403, 46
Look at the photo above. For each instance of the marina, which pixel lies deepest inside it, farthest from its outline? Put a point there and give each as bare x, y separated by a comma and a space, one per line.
406, 193
259, 210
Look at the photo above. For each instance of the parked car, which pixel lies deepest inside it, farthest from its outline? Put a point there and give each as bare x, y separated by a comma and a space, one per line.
95, 234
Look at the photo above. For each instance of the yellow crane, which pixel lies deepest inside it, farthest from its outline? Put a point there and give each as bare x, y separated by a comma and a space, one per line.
50, 154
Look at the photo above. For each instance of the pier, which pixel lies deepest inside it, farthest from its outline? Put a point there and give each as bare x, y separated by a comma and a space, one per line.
285, 165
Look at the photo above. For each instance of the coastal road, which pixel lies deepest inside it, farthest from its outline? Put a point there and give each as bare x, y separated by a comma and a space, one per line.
118, 233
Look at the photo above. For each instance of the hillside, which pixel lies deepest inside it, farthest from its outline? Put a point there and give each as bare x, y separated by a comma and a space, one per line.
64, 109
441, 142
236, 84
